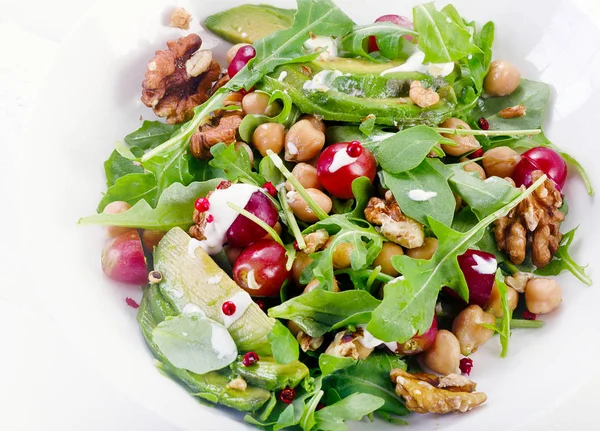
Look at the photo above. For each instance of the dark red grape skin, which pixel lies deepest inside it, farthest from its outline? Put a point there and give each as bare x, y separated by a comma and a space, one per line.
266, 259
244, 231
242, 57
419, 343
544, 159
480, 285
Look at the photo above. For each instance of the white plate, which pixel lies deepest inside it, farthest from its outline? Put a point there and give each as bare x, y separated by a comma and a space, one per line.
93, 101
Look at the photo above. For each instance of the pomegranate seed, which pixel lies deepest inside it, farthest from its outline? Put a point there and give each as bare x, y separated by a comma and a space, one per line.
250, 358
131, 302
270, 188
528, 315
260, 303
228, 308
354, 149
466, 364
296, 246
476, 154
287, 395
210, 218
202, 204
484, 124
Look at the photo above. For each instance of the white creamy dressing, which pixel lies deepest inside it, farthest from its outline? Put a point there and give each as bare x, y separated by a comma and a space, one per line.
292, 148
326, 44
419, 195
370, 342
192, 309
221, 342
252, 284
341, 159
216, 279
484, 266
322, 81
242, 301
415, 63
280, 186
282, 76
223, 217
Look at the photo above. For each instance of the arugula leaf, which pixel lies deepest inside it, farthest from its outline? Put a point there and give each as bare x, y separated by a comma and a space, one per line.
285, 347
443, 36
408, 303
186, 341
368, 125
426, 177
175, 208
151, 134
235, 164
130, 188
407, 149
329, 364
483, 197
321, 311
563, 261
362, 190
288, 116
390, 40
353, 407
346, 232
370, 376
269, 171
503, 323
117, 166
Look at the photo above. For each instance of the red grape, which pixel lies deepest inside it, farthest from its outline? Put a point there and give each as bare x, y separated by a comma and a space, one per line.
242, 57
419, 343
339, 182
260, 269
244, 231
401, 21
544, 159
123, 259
479, 269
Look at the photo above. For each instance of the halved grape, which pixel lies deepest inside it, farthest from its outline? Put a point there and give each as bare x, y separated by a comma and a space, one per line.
260, 269
244, 231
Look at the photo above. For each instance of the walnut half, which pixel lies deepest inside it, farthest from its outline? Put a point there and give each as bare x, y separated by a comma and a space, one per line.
426, 393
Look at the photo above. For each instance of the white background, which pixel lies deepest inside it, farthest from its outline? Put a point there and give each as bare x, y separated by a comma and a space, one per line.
44, 382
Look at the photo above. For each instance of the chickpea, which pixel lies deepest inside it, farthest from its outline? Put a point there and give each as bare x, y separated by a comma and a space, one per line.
303, 142
316, 123
231, 52
468, 330
276, 228
473, 167
301, 261
443, 357
315, 283
240, 144
269, 136
426, 251
258, 103
301, 209
384, 258
500, 161
116, 207
307, 176
494, 304
151, 238
341, 254
542, 295
464, 143
502, 79
459, 202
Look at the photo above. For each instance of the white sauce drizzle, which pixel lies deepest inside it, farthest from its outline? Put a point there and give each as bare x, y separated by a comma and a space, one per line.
214, 279
280, 186
322, 80
222, 343
292, 148
177, 293
252, 284
419, 195
192, 309
242, 301
215, 232
484, 266
415, 63
282, 76
370, 342
341, 159
327, 44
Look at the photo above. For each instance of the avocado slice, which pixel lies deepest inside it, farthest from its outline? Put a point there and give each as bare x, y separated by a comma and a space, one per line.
194, 278
249, 23
270, 375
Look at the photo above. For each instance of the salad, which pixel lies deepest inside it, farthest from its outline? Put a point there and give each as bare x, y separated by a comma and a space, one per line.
329, 227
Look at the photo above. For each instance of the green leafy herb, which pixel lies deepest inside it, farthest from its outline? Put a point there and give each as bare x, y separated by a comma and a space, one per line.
407, 149
408, 303
329, 364
362, 190
443, 35
368, 125
235, 163
269, 171
130, 188
392, 45
563, 261
175, 208
321, 311
151, 134
425, 177
284, 345
503, 323
118, 166
522, 323
353, 407
186, 341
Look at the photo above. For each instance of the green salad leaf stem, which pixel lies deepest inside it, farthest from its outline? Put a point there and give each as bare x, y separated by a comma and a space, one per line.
290, 219
522, 323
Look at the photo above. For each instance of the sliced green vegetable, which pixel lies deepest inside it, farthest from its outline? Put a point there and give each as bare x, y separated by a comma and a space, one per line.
270, 374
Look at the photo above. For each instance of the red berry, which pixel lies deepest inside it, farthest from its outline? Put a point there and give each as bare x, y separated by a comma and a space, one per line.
484, 124
354, 149
250, 358
202, 205
476, 154
228, 308
528, 315
270, 188
466, 364
210, 218
287, 395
